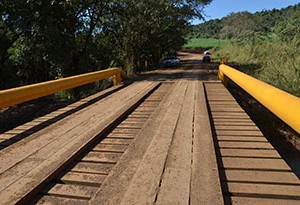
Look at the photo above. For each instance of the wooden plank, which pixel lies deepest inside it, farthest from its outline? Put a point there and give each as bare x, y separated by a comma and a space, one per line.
243, 138
110, 147
132, 123
254, 176
226, 109
175, 183
175, 187
233, 123
232, 120
129, 126
254, 163
125, 131
271, 190
72, 191
114, 187
260, 201
31, 145
249, 153
46, 149
236, 127
105, 157
83, 178
231, 117
121, 136
205, 184
6, 136
144, 109
97, 168
116, 141
227, 114
227, 103
239, 132
144, 185
52, 200
245, 145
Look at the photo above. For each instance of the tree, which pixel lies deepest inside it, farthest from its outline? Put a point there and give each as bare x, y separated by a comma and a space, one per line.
145, 30
236, 25
288, 30
42, 40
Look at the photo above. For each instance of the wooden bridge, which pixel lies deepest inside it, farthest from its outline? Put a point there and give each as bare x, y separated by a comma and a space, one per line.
175, 136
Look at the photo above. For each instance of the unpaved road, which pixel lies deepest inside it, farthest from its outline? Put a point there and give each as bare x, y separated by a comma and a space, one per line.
191, 67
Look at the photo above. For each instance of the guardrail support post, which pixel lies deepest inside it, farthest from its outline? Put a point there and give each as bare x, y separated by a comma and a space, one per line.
222, 77
116, 79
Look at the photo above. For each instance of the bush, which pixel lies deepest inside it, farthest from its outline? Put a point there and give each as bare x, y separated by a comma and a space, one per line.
270, 60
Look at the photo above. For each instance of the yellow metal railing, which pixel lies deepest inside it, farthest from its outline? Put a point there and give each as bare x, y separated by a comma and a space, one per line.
282, 104
18, 95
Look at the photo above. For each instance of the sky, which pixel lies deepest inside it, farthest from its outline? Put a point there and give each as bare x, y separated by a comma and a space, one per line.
221, 8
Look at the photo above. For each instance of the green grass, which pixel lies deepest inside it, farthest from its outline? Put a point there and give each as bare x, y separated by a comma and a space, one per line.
205, 43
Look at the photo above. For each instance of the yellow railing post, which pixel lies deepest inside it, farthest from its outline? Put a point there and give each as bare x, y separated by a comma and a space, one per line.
221, 75
25, 93
282, 104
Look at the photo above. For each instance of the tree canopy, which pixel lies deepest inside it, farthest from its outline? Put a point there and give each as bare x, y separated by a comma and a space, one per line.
47, 39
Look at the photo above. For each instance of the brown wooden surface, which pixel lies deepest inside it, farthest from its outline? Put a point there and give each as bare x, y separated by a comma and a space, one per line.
251, 170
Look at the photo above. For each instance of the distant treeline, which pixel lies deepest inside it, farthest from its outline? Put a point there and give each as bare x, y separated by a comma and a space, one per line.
43, 40
242, 24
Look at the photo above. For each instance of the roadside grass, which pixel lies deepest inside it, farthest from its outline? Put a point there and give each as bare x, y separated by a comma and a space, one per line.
204, 43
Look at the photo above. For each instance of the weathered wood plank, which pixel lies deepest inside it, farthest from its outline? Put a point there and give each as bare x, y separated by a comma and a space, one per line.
83, 178
51, 200
144, 185
260, 201
245, 145
205, 184
175, 183
243, 138
110, 147
105, 157
116, 141
254, 153
46, 150
254, 163
73, 191
279, 191
115, 185
96, 168
253, 176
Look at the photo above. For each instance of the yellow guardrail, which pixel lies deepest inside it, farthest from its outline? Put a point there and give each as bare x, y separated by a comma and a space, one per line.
282, 104
18, 95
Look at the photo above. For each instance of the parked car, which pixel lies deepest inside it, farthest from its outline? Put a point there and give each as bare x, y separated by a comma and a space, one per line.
171, 61
206, 57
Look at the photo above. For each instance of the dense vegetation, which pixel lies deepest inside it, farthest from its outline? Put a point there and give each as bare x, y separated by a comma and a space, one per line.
47, 39
237, 25
264, 44
205, 43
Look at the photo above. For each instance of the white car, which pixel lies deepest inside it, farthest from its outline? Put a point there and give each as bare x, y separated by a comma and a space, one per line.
171, 61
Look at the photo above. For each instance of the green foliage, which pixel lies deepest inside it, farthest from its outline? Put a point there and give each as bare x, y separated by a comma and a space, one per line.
208, 29
237, 25
205, 43
288, 30
43, 40
275, 62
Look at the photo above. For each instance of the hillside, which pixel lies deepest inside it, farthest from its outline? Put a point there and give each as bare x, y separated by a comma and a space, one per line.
235, 24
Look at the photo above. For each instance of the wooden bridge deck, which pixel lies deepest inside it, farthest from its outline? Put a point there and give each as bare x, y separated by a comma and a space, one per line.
158, 141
